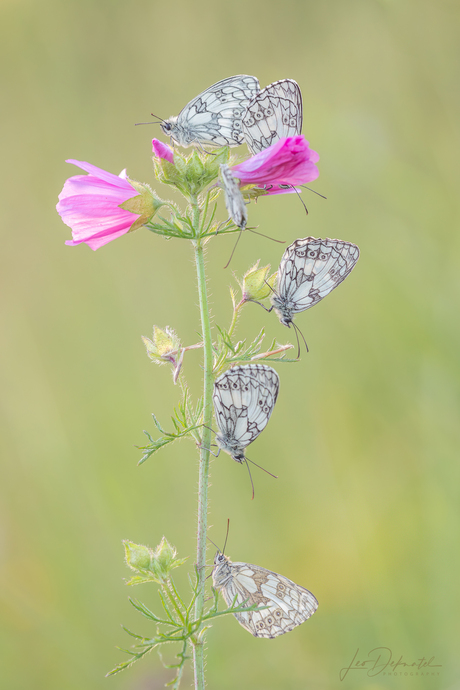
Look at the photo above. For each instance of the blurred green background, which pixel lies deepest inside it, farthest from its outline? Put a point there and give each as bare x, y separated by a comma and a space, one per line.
365, 434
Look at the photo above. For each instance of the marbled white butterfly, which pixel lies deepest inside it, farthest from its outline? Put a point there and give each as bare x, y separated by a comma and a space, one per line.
214, 116
244, 398
289, 604
274, 113
309, 270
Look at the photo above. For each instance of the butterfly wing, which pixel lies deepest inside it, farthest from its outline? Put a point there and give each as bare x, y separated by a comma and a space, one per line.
288, 604
214, 117
244, 398
311, 268
274, 113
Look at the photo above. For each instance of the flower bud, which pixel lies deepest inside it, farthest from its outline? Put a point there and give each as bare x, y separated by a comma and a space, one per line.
137, 557
190, 174
163, 347
256, 285
164, 560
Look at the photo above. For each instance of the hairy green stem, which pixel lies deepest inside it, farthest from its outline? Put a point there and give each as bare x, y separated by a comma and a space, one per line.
198, 644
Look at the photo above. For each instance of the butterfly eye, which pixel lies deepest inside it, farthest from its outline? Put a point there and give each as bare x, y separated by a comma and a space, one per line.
285, 120
268, 112
278, 613
246, 388
259, 115
235, 385
292, 122
323, 256
261, 402
237, 124
249, 121
269, 621
300, 252
224, 386
237, 113
266, 408
312, 254
260, 625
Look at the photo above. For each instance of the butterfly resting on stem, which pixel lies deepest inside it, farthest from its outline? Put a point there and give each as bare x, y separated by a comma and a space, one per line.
244, 398
309, 270
288, 604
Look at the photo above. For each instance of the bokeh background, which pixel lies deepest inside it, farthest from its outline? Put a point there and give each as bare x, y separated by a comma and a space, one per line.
365, 434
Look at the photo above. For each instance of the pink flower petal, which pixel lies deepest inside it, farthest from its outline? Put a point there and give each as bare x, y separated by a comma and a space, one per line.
288, 161
162, 150
90, 206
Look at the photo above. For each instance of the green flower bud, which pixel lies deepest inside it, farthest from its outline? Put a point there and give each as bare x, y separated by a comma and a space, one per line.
146, 204
190, 174
256, 285
137, 557
164, 560
164, 346
212, 163
170, 173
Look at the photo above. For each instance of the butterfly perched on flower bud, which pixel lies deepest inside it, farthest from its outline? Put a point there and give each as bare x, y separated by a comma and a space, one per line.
214, 117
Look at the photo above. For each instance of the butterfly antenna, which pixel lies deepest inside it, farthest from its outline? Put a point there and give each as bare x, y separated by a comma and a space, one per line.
314, 191
297, 329
213, 543
226, 536
210, 429
231, 255
158, 117
263, 468
302, 201
250, 477
298, 341
267, 237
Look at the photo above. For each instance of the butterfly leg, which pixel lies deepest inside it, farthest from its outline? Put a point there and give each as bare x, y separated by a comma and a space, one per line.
213, 445
200, 146
261, 305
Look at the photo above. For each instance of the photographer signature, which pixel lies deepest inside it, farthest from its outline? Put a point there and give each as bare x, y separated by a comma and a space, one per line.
381, 659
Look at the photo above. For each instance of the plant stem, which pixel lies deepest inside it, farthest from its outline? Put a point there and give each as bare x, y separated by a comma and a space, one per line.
198, 644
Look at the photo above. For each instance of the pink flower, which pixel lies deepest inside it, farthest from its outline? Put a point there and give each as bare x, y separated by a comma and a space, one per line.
90, 205
162, 150
289, 161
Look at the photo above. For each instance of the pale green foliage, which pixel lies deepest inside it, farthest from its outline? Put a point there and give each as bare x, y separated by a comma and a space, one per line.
186, 421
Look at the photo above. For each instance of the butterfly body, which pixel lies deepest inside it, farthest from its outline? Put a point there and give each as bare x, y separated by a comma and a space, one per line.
234, 201
214, 117
244, 398
288, 604
309, 270
274, 113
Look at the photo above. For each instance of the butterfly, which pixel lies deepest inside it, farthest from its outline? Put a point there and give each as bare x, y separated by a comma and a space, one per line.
273, 113
244, 398
214, 116
309, 270
288, 604
234, 201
